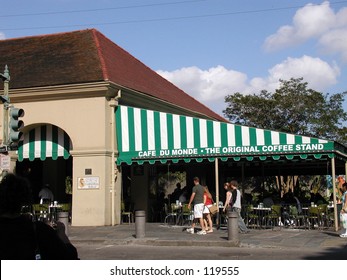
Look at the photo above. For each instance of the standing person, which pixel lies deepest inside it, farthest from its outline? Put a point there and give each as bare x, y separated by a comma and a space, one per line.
208, 201
20, 237
197, 198
228, 200
176, 193
338, 189
46, 195
343, 212
236, 207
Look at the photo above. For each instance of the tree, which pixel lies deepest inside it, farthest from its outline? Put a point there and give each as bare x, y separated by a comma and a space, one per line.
292, 108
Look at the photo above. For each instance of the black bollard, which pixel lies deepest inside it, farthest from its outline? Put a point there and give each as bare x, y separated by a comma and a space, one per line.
63, 217
140, 223
233, 227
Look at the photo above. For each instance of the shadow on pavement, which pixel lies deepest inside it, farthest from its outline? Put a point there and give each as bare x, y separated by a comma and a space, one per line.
334, 253
332, 234
330, 254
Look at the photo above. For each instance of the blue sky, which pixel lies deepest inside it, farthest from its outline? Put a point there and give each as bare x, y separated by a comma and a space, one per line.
208, 48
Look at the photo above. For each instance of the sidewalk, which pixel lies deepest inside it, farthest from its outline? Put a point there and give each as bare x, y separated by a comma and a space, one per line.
164, 235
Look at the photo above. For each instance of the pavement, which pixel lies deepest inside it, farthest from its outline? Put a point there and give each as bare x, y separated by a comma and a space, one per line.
157, 234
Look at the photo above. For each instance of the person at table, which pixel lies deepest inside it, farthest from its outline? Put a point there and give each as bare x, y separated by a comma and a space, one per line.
288, 199
46, 195
20, 237
236, 206
197, 199
317, 198
268, 201
298, 204
176, 193
343, 213
183, 198
207, 215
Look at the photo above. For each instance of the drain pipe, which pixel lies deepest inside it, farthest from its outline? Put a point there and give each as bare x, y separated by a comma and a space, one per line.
217, 180
113, 103
216, 167
336, 224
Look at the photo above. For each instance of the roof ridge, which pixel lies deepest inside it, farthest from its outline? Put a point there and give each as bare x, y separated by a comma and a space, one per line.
49, 34
108, 73
95, 34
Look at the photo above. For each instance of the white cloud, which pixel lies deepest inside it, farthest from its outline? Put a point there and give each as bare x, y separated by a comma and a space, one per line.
318, 73
283, 38
212, 85
308, 22
335, 42
341, 18
313, 22
206, 85
2, 36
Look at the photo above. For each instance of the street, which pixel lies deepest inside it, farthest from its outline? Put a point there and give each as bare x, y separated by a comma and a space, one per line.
100, 251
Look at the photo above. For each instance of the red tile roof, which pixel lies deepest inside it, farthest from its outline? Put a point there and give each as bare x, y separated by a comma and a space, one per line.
86, 56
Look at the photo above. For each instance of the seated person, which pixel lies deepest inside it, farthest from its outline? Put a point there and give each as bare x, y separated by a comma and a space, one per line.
46, 196
20, 237
268, 202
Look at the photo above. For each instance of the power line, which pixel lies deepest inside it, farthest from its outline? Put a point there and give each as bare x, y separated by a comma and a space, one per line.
170, 18
102, 9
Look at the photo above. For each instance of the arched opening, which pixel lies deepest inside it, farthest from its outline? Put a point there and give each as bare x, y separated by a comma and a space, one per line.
44, 158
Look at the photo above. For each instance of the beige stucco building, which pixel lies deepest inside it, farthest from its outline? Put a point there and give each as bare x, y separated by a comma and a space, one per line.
72, 87
74, 81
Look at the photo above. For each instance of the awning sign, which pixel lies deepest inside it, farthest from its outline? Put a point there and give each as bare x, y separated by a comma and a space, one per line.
150, 135
231, 150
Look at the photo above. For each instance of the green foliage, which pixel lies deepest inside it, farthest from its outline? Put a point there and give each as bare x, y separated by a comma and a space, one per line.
68, 185
292, 108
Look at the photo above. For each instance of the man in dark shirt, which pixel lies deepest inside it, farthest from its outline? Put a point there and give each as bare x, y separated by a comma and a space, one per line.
197, 198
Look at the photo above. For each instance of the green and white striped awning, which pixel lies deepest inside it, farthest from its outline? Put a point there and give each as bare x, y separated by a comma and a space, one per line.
46, 141
145, 135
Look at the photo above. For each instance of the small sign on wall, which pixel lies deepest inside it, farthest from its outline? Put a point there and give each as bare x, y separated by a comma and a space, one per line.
5, 162
87, 183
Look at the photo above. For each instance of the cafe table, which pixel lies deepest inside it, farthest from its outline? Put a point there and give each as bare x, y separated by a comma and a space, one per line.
262, 213
172, 217
53, 212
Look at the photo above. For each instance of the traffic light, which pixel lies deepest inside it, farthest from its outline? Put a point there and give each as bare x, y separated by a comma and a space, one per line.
15, 135
3, 149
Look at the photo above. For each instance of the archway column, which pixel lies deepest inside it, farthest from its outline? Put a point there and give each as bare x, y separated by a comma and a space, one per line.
92, 187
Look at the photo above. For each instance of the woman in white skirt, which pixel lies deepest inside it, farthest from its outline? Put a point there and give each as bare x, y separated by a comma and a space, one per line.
343, 214
208, 201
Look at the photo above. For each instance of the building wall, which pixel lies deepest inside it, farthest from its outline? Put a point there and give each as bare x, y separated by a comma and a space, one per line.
87, 121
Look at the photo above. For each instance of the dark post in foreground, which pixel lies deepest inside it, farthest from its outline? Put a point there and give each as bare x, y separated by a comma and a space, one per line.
63, 217
140, 223
233, 227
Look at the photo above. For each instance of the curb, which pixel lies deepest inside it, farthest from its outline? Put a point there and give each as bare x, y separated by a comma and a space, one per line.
186, 243
158, 242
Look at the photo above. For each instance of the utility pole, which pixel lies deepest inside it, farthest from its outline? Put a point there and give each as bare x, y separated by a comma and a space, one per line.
4, 158
11, 125
6, 102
